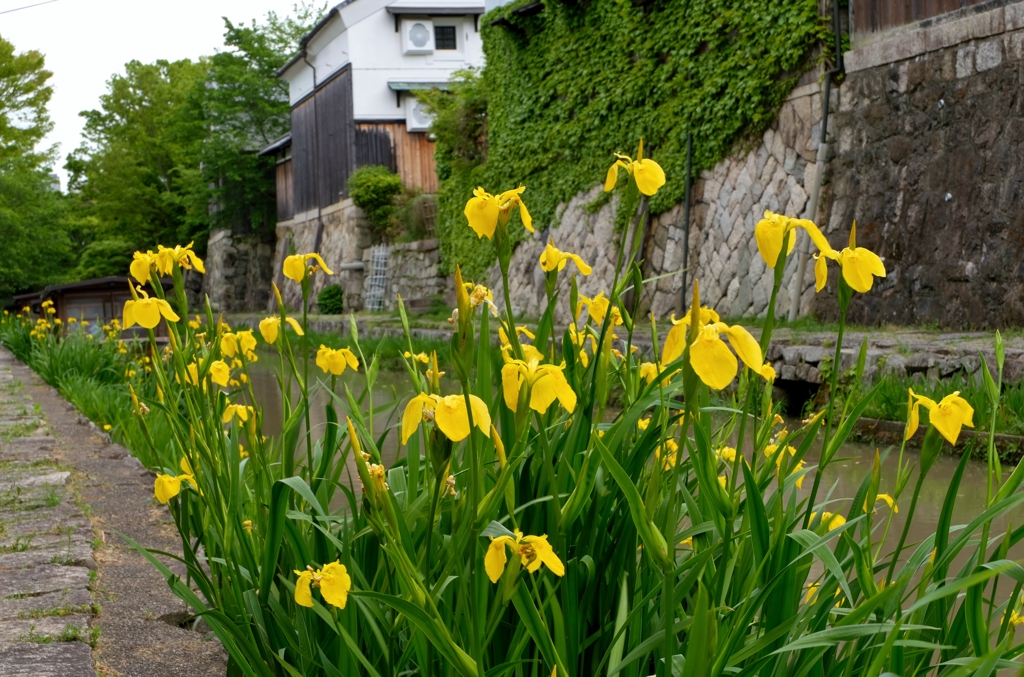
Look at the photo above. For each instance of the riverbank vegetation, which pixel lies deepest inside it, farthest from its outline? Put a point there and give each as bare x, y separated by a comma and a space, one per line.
526, 528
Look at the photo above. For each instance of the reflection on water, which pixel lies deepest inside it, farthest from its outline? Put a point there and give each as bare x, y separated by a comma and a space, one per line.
970, 499
393, 388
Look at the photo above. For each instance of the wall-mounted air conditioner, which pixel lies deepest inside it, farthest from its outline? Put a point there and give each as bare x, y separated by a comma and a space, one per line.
417, 119
417, 36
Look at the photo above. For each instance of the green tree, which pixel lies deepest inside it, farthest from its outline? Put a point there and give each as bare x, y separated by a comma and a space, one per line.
243, 106
36, 248
131, 171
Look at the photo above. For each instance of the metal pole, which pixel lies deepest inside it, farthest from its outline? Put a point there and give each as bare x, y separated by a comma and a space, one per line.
797, 283
684, 303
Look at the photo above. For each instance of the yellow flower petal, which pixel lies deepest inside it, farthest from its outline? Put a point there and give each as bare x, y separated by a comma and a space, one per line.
268, 329
413, 415
482, 213
859, 268
166, 487
745, 346
712, 360
303, 595
220, 372
511, 382
294, 324
649, 176
495, 558
335, 584
820, 273
295, 267
612, 177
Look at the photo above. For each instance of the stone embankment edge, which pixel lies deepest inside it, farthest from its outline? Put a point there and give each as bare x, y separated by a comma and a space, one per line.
143, 627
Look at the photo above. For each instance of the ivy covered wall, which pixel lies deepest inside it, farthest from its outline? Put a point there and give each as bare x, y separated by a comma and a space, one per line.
569, 85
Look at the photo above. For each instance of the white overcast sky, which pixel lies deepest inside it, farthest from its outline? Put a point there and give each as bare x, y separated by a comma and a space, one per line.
86, 41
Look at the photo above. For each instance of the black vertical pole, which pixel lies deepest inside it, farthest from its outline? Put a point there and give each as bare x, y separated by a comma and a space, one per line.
686, 222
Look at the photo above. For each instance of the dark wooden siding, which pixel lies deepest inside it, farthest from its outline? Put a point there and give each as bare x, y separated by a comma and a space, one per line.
374, 146
322, 142
878, 15
285, 196
412, 152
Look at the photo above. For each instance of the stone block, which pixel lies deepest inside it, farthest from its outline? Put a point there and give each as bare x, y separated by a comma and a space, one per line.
1013, 16
989, 54
59, 659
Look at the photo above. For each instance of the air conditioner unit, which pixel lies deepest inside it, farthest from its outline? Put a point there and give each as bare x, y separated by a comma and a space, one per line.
417, 119
417, 36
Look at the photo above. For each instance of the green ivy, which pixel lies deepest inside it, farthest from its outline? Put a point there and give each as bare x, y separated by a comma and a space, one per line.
581, 79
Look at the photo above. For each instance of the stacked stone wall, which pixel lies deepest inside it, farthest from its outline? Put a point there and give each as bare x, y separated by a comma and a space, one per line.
238, 271
414, 271
773, 172
343, 237
930, 162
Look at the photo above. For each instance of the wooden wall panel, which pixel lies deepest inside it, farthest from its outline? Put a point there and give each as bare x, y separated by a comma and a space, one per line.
878, 15
374, 146
413, 153
285, 191
303, 157
337, 137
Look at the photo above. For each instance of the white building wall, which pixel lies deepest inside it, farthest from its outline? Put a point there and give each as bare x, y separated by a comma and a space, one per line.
363, 34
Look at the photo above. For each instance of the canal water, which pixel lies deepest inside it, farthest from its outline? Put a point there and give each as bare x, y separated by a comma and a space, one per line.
841, 481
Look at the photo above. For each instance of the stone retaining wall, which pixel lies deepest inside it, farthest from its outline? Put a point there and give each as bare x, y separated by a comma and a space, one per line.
340, 235
238, 271
414, 271
774, 173
929, 162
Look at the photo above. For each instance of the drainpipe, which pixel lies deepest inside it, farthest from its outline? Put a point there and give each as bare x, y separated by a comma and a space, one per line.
797, 283
684, 301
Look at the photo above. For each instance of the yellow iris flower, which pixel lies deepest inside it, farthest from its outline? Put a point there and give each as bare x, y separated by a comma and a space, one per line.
167, 258
142, 264
418, 357
948, 415
545, 381
166, 487
241, 342
333, 581
770, 232
146, 311
448, 413
553, 258
649, 371
483, 210
597, 308
532, 550
770, 450
220, 372
885, 498
860, 266
269, 328
675, 342
335, 361
648, 174
242, 411
295, 267
830, 520
712, 360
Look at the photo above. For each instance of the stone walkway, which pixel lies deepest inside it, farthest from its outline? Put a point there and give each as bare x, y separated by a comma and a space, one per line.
75, 601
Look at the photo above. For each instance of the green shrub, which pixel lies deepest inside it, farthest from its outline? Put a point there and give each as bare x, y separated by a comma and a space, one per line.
331, 300
374, 189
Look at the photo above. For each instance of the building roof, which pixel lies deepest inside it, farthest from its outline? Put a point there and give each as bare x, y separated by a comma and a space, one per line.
413, 85
277, 145
436, 7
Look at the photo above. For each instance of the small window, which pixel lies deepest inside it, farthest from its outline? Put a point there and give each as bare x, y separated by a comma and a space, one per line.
444, 37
